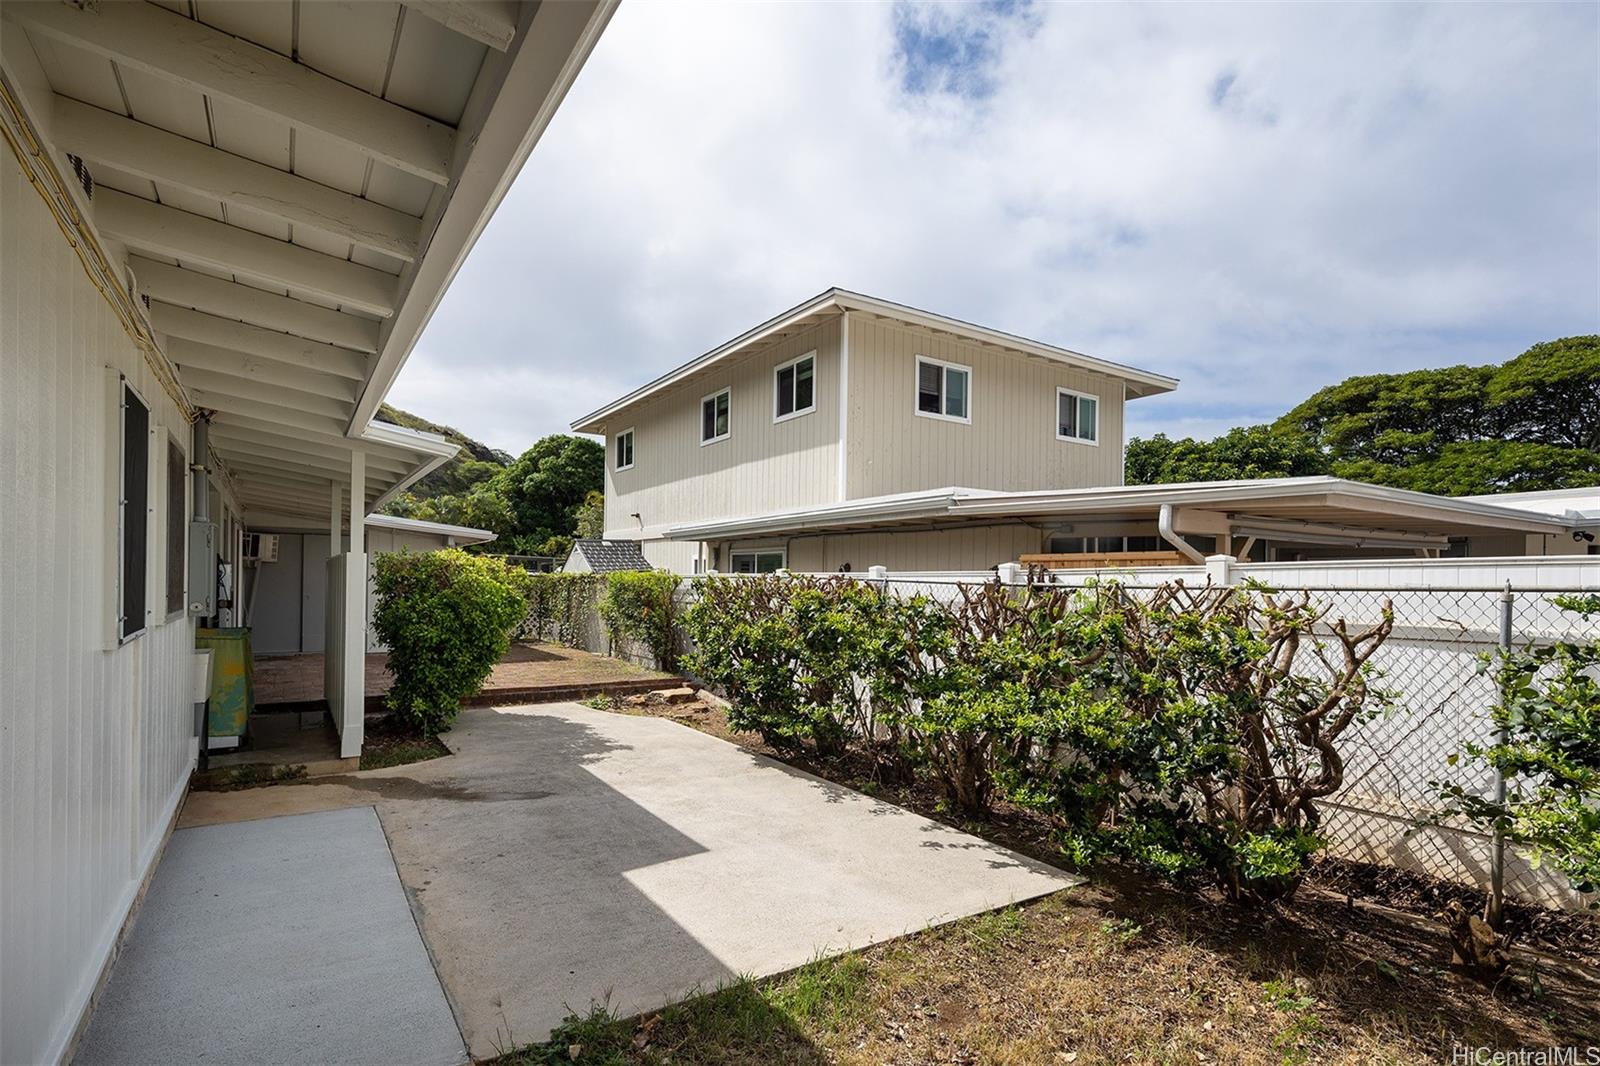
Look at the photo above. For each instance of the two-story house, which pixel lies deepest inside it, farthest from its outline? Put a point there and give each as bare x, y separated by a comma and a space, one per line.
851, 431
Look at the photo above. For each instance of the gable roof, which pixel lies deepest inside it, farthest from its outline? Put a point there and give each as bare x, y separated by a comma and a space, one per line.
834, 302
609, 556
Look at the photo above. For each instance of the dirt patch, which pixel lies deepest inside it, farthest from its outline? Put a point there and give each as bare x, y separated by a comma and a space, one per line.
388, 747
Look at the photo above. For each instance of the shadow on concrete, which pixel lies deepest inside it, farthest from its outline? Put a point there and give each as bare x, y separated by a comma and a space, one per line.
523, 941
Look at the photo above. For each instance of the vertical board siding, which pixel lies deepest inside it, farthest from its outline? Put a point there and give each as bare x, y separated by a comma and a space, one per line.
762, 466
971, 547
95, 740
1011, 443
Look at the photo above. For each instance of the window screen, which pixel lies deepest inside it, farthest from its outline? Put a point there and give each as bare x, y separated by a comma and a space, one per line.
624, 450
714, 417
796, 387
930, 388
177, 478
1076, 416
132, 515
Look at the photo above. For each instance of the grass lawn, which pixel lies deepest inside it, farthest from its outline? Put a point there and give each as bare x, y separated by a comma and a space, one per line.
1123, 969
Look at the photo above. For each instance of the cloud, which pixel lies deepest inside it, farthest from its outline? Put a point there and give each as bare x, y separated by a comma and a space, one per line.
1258, 200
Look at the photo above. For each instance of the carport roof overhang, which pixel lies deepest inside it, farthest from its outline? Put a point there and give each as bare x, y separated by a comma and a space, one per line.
1277, 508
834, 302
276, 195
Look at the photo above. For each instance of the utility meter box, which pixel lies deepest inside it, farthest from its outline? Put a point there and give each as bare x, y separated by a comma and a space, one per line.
202, 569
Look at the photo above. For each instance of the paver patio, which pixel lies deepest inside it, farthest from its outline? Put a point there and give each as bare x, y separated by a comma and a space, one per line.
565, 856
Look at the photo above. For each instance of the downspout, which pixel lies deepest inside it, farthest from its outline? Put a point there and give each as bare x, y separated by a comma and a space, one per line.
1168, 534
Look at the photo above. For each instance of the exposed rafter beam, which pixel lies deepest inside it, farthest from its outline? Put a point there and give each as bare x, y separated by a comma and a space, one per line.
153, 227
252, 391
490, 22
265, 413
189, 355
281, 348
266, 473
149, 152
162, 281
179, 49
294, 449
230, 446
236, 416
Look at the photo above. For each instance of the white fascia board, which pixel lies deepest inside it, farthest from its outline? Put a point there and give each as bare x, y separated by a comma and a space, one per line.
491, 147
435, 450
1141, 382
469, 534
897, 508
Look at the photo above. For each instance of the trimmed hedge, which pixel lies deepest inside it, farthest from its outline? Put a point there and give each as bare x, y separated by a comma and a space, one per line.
447, 618
642, 606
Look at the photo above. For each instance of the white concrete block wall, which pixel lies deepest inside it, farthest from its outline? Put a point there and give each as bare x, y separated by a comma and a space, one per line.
95, 739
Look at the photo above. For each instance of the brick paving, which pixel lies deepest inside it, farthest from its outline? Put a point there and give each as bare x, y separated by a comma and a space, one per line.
528, 673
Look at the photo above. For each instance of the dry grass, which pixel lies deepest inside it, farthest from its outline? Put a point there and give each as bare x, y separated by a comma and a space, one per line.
1120, 970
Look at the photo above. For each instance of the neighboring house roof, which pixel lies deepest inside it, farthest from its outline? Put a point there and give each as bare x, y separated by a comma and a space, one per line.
609, 556
1581, 507
458, 534
1274, 507
836, 301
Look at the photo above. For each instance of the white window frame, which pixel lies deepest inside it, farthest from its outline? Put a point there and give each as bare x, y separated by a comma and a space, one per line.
700, 420
1061, 391
944, 390
779, 369
754, 553
632, 444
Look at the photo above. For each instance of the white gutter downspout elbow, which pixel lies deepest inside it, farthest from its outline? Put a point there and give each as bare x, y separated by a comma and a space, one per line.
1168, 534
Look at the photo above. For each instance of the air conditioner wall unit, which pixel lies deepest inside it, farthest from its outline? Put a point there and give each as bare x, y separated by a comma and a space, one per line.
261, 547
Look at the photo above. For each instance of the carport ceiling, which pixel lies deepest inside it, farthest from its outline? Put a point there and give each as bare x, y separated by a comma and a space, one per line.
290, 185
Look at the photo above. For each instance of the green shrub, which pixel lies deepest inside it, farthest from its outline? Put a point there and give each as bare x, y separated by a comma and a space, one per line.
1548, 713
559, 608
642, 606
446, 617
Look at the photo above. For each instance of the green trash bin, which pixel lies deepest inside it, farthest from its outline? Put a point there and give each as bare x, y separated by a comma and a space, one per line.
233, 694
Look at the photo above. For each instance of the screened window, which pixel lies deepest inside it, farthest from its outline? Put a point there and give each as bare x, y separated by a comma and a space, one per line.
1077, 417
796, 388
769, 562
714, 416
624, 450
133, 506
943, 390
177, 479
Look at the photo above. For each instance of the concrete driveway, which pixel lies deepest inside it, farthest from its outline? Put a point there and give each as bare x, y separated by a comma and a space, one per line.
565, 856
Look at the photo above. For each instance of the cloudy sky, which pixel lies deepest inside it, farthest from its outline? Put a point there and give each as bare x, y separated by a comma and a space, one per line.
1257, 199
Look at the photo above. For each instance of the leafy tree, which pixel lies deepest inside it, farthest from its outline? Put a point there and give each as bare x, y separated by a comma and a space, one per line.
592, 515
1245, 452
546, 486
1530, 423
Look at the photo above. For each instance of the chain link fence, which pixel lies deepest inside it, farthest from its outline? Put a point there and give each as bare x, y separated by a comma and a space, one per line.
1433, 667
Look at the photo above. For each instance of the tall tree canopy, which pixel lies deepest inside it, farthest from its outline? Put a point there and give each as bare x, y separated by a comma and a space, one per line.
545, 487
1530, 423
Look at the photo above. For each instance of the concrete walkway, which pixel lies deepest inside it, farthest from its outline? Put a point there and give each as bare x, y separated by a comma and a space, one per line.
566, 856
284, 940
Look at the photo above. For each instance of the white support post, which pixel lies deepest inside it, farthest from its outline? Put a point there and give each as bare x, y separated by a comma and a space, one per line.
1219, 569
1012, 574
878, 575
335, 518
353, 616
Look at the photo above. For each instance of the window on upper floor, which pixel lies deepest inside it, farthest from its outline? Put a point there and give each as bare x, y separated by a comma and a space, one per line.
944, 390
714, 413
1077, 417
795, 388
624, 451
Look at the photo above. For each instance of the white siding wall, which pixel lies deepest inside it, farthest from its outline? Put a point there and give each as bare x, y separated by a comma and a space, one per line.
1011, 444
974, 547
95, 740
762, 466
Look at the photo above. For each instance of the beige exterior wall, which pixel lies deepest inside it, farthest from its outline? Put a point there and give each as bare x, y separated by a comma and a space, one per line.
1011, 442
971, 547
762, 465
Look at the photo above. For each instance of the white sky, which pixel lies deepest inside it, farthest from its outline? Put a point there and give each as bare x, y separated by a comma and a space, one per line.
1259, 200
